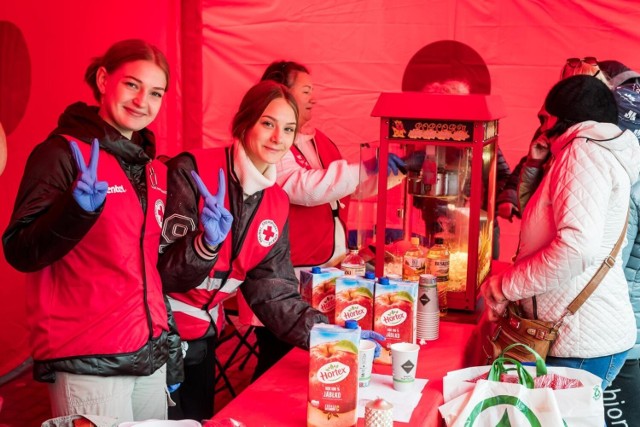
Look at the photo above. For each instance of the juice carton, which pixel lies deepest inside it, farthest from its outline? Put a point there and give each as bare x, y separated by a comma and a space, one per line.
318, 288
333, 376
394, 311
354, 300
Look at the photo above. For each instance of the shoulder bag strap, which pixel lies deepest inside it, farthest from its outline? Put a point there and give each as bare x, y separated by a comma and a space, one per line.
607, 264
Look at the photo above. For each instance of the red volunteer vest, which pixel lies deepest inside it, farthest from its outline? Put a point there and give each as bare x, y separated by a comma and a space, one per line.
196, 309
313, 245
105, 296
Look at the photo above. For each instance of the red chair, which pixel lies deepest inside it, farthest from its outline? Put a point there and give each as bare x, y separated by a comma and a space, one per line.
231, 332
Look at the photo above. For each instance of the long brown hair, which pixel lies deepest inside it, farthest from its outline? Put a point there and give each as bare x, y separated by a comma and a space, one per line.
123, 52
255, 101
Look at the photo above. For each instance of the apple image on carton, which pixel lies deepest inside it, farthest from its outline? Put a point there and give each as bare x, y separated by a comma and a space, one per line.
324, 298
393, 319
355, 304
333, 384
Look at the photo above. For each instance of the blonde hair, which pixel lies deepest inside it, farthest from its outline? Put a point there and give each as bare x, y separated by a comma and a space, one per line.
586, 69
123, 52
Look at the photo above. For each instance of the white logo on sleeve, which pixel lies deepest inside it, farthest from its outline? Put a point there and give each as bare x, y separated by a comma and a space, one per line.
267, 233
116, 189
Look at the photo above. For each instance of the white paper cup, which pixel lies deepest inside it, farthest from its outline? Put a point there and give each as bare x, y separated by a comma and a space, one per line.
404, 362
365, 362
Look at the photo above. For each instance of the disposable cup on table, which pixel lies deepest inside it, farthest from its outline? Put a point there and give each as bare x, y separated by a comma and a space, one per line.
365, 362
404, 362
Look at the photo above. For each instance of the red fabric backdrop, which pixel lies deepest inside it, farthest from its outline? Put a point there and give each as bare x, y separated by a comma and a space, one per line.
355, 49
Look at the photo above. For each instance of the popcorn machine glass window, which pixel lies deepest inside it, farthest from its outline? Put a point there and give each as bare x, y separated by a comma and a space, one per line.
449, 145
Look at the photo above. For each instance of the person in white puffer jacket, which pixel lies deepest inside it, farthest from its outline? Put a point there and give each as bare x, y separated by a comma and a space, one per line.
570, 226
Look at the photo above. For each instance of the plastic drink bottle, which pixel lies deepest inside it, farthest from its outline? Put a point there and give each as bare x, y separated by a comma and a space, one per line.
353, 264
438, 265
413, 262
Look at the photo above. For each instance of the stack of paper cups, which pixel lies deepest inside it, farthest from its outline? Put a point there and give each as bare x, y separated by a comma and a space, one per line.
428, 315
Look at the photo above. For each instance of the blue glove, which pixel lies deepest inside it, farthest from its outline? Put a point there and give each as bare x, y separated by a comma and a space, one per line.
88, 192
394, 164
375, 337
215, 218
173, 387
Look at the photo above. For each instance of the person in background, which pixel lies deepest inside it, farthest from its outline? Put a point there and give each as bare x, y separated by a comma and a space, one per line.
86, 228
570, 225
526, 176
622, 398
319, 183
588, 66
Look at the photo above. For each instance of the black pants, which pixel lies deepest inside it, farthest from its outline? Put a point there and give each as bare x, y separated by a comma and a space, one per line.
194, 397
270, 350
622, 397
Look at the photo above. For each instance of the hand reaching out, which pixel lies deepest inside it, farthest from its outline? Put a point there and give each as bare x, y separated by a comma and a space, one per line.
394, 165
88, 192
374, 337
539, 148
215, 218
495, 301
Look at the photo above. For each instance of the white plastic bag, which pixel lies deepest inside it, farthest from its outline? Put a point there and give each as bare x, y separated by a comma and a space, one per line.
582, 406
493, 403
496, 403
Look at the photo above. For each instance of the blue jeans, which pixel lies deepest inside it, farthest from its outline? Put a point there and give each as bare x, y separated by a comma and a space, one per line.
606, 367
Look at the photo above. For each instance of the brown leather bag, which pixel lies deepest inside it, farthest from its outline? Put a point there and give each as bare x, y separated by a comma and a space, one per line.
539, 334
514, 328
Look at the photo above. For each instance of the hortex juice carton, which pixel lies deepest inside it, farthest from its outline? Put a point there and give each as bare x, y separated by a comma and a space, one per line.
354, 301
318, 288
333, 376
394, 314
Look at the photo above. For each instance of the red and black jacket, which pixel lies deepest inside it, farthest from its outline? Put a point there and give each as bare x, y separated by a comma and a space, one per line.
270, 286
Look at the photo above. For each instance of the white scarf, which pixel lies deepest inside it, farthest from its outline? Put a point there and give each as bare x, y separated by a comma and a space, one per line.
251, 180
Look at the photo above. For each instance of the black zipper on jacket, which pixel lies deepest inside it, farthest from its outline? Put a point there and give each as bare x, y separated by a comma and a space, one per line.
144, 273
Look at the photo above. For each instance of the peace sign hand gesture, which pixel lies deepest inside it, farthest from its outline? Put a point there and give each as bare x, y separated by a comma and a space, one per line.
215, 218
88, 192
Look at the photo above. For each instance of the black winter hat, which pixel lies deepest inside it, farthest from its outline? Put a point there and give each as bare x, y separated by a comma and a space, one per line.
581, 98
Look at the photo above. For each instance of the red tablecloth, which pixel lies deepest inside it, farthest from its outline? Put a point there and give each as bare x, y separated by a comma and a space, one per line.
279, 397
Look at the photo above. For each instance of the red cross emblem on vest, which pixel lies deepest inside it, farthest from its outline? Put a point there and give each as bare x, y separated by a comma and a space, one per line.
267, 233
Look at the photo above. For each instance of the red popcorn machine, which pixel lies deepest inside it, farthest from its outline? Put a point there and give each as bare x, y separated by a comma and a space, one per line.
449, 144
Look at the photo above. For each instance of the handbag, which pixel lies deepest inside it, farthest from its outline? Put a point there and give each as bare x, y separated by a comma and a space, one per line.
513, 327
